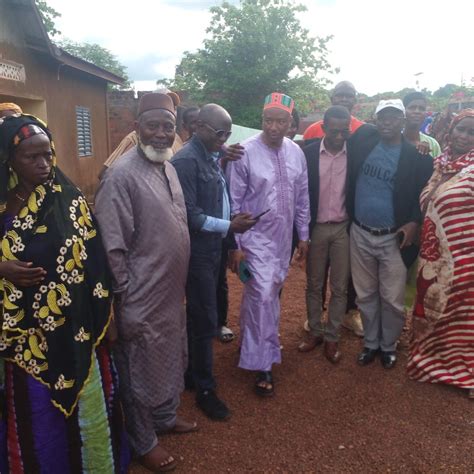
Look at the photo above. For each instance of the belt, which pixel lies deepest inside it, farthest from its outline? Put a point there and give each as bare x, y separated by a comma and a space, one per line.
331, 222
378, 232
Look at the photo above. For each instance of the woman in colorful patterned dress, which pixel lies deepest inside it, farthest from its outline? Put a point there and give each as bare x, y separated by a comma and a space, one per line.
60, 412
442, 349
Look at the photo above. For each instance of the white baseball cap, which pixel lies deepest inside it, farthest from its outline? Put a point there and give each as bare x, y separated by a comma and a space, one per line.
390, 103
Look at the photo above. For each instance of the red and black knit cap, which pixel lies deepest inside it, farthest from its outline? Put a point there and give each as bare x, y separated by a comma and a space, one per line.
279, 101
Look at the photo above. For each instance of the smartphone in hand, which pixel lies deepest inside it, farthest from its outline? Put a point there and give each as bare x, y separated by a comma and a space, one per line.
244, 272
262, 214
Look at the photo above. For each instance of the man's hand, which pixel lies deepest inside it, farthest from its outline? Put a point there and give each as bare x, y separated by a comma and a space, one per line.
407, 233
21, 273
233, 152
235, 257
301, 252
242, 222
423, 148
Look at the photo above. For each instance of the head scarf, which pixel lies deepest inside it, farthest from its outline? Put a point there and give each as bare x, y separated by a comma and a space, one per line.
13, 130
51, 330
445, 162
439, 127
11, 106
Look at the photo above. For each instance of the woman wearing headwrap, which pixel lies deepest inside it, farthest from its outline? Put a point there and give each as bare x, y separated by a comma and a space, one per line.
442, 349
61, 412
9, 108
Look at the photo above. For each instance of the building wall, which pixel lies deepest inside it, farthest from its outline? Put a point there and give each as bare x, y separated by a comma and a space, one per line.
52, 92
123, 107
122, 112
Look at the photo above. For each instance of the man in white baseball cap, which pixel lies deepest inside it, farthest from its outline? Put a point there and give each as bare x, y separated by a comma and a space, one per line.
396, 104
386, 176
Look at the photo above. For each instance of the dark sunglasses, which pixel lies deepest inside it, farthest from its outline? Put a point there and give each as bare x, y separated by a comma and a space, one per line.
220, 133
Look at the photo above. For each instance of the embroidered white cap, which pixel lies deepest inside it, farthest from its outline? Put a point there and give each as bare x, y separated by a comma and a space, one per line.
390, 103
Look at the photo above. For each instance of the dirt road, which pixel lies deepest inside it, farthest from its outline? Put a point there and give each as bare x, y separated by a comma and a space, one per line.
325, 418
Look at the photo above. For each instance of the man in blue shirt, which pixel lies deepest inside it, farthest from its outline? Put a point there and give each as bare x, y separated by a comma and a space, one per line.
209, 221
386, 177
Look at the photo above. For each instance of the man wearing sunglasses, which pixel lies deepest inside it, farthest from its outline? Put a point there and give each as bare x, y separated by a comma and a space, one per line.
208, 209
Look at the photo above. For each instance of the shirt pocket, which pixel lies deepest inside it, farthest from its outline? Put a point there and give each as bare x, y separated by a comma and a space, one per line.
208, 187
206, 176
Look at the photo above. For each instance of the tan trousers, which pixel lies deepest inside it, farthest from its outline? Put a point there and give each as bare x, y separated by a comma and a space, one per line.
329, 242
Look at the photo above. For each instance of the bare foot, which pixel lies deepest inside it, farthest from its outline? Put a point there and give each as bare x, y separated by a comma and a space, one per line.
158, 460
181, 426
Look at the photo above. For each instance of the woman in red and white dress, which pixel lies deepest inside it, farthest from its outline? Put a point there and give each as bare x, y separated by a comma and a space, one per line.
442, 349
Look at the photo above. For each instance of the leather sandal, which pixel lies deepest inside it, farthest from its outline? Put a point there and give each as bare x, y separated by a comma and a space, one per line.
264, 385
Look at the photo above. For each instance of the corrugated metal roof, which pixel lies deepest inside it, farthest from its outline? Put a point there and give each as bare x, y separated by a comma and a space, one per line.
29, 22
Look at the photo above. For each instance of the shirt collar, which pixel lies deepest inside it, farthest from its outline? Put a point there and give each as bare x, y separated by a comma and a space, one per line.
323, 149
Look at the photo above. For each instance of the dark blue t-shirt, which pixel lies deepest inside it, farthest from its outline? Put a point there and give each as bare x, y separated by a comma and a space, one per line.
374, 188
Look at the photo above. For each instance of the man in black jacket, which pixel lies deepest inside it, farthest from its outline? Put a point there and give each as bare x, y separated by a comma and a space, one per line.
386, 176
327, 182
208, 210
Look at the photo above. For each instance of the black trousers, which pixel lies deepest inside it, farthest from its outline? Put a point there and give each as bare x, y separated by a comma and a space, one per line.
201, 311
222, 289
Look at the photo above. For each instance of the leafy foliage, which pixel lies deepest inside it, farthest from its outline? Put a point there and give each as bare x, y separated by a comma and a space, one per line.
90, 52
253, 49
98, 55
48, 14
438, 100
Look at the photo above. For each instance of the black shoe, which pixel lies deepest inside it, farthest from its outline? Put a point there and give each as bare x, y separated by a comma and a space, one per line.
213, 408
367, 356
389, 359
189, 382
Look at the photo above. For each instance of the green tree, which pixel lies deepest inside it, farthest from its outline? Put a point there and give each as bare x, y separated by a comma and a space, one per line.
253, 49
90, 52
48, 14
98, 55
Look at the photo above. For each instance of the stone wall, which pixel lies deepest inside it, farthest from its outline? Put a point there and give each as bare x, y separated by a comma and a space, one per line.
122, 112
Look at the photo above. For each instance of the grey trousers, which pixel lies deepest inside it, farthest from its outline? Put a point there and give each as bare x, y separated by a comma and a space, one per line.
379, 277
329, 242
142, 422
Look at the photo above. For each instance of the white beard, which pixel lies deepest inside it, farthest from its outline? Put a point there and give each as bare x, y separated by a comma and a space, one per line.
156, 156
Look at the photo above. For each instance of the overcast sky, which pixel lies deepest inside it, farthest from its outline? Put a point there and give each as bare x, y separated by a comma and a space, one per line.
379, 45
